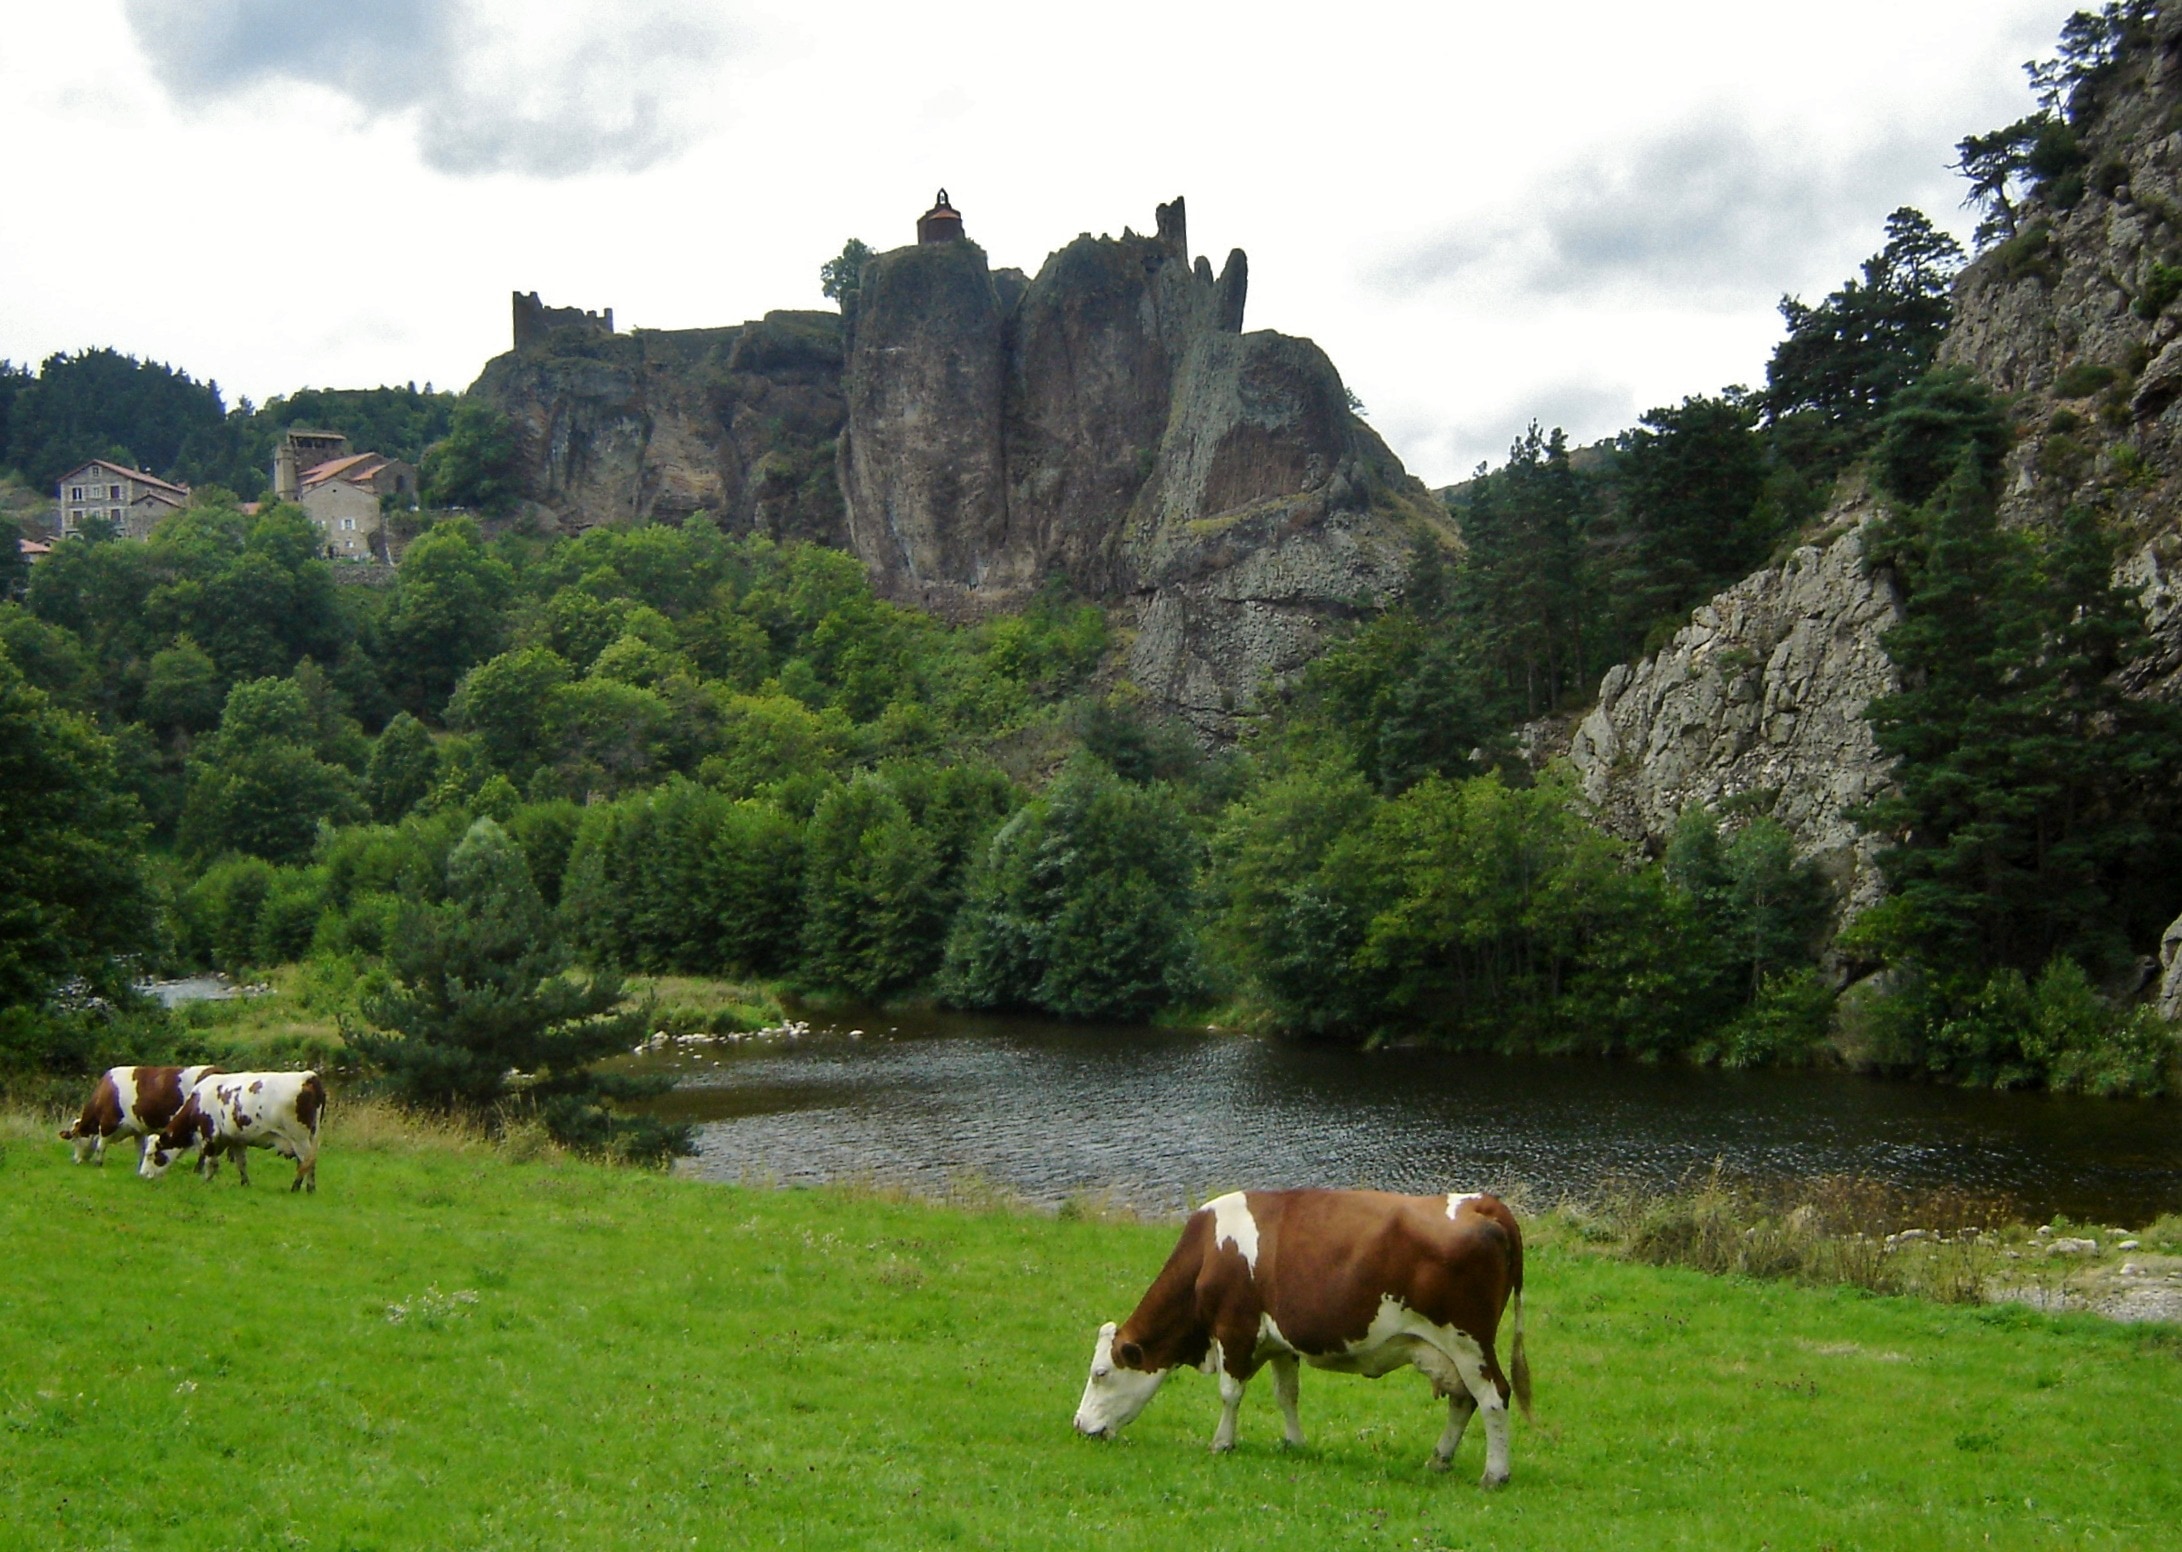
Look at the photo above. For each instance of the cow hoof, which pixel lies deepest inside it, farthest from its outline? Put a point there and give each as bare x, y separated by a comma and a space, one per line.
1223, 1446
1439, 1463
1488, 1480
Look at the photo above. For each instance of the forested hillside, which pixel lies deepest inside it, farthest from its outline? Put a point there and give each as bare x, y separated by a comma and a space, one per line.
103, 404
668, 747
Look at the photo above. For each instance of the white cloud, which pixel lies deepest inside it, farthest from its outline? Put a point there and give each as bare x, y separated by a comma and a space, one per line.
549, 88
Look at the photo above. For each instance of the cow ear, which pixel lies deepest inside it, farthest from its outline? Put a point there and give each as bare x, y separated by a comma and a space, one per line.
1131, 1353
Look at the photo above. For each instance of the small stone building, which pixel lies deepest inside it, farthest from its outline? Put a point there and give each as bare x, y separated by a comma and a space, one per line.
299, 450
103, 491
343, 497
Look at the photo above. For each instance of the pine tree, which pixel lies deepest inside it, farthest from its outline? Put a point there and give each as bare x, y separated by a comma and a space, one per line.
482, 1012
2037, 800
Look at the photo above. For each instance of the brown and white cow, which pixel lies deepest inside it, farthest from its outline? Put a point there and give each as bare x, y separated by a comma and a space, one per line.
233, 1112
129, 1102
1360, 1282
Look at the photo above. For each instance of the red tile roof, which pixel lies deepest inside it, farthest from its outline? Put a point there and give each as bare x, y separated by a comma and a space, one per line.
345, 469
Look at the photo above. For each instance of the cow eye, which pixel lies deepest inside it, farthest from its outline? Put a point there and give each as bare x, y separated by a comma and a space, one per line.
1100, 1373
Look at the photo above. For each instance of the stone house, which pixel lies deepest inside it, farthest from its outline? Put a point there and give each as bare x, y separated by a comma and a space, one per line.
131, 500
299, 450
344, 498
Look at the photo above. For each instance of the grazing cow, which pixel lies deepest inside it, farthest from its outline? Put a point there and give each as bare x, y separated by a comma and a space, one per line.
130, 1102
1360, 1282
234, 1112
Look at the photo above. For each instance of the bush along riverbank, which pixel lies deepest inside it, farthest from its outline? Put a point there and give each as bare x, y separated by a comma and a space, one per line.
498, 1345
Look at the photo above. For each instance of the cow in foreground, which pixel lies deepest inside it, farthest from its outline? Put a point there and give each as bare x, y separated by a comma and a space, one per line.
129, 1102
1360, 1282
233, 1112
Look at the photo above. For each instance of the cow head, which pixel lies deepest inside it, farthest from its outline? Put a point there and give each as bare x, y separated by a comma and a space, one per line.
1119, 1388
81, 1144
160, 1152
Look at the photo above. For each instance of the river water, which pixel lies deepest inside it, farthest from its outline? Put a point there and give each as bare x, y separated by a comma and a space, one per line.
1161, 1119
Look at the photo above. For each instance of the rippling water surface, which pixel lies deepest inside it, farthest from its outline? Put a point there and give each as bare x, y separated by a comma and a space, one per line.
1162, 1119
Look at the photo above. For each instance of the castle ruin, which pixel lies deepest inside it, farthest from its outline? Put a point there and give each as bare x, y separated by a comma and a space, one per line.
534, 321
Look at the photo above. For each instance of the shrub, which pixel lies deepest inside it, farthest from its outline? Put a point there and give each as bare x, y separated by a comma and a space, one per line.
1784, 1025
2083, 379
2161, 287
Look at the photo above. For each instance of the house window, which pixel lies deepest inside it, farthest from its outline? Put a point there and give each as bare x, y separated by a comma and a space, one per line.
115, 514
113, 493
75, 493
348, 524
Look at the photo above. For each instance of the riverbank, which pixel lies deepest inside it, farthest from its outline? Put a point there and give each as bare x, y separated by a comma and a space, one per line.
456, 1343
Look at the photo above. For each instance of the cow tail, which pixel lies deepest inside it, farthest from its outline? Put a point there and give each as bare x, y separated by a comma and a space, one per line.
1519, 1361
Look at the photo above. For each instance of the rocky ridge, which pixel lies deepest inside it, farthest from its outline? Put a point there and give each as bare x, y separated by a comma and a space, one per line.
657, 424
1108, 419
1757, 704
970, 432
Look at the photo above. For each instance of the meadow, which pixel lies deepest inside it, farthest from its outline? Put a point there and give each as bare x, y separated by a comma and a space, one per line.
463, 1344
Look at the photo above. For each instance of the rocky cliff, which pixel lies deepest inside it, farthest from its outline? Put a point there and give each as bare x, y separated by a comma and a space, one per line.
1109, 420
657, 424
970, 432
2079, 317
1758, 703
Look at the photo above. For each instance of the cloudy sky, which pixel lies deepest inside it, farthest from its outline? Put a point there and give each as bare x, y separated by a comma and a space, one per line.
1569, 210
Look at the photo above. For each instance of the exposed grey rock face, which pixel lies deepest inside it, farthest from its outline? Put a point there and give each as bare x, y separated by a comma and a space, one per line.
2170, 964
2064, 318
923, 471
739, 422
1761, 698
1109, 420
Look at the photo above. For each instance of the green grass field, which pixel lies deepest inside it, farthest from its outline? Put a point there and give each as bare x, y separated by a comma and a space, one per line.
447, 1347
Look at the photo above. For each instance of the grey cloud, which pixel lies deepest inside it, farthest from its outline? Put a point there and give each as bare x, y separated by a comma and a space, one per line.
379, 52
609, 100
1708, 207
1585, 410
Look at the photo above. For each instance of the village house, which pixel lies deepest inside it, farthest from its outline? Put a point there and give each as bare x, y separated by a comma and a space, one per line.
131, 500
344, 498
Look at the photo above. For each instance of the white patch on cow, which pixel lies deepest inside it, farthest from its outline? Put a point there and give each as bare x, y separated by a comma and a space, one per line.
1451, 1358
1270, 1341
1113, 1395
1455, 1199
1231, 1405
1233, 1224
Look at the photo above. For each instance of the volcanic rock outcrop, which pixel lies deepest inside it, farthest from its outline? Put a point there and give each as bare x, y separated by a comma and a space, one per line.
1108, 420
658, 424
971, 432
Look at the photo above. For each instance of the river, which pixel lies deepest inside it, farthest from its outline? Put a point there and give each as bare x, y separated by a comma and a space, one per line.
1161, 1119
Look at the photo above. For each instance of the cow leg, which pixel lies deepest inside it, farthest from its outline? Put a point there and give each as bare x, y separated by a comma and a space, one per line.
1231, 1400
306, 1168
242, 1163
1486, 1388
1285, 1390
1461, 1405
